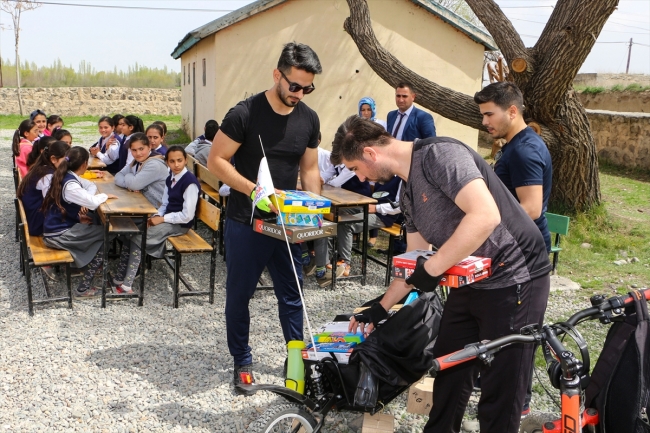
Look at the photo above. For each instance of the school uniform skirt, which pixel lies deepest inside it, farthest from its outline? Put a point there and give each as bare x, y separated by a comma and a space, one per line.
83, 241
157, 237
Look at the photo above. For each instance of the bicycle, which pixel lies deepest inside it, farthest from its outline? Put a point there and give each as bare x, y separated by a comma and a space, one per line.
327, 387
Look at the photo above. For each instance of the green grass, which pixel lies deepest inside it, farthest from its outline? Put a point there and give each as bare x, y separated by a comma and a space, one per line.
619, 228
594, 90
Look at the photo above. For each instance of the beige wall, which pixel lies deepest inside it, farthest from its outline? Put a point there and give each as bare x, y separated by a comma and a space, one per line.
205, 100
416, 37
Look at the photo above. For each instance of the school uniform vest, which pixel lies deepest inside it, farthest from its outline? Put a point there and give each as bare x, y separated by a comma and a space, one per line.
162, 150
101, 143
32, 201
355, 185
175, 194
124, 154
392, 187
57, 223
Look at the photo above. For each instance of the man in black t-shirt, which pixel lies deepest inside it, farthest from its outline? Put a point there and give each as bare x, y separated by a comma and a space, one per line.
289, 131
452, 199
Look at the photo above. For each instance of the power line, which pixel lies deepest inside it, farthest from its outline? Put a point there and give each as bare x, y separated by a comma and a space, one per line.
146, 8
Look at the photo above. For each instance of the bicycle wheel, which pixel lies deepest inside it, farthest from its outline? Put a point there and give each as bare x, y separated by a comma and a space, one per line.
285, 417
533, 423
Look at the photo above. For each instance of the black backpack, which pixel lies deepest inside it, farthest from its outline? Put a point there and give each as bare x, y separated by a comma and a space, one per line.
620, 382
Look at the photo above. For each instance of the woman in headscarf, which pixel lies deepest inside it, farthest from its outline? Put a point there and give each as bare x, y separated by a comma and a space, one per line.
368, 110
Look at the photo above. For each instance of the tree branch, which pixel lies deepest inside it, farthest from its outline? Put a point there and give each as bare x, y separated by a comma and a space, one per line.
500, 28
448, 103
571, 44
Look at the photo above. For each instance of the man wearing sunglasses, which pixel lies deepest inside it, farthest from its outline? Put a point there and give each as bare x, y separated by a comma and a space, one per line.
288, 130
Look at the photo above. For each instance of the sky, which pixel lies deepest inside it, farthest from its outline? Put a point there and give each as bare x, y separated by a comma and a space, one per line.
120, 37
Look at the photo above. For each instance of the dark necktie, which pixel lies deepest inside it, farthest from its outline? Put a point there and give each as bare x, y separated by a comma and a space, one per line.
137, 166
399, 123
173, 181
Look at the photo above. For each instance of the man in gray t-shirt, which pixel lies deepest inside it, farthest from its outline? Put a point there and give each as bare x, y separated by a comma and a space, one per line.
452, 200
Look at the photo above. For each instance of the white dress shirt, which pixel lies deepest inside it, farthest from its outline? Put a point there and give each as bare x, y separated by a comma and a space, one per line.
405, 119
43, 184
111, 154
84, 195
190, 197
386, 208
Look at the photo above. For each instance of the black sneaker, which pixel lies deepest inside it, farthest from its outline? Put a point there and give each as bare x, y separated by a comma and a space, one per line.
243, 375
309, 269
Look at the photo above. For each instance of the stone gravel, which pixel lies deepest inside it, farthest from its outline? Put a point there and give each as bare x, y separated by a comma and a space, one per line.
154, 368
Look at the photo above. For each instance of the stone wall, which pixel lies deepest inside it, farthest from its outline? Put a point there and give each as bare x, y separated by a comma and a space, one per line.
93, 101
622, 138
629, 102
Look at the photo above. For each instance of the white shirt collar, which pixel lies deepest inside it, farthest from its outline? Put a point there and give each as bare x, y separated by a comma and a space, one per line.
407, 112
179, 175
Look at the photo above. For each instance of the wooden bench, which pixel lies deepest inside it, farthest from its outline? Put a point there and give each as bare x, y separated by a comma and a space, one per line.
558, 224
394, 232
41, 255
192, 243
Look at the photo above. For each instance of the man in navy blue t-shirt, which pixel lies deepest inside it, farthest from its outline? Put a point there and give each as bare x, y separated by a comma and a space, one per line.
524, 162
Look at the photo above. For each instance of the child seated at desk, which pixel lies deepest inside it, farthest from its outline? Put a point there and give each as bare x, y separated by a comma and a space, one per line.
176, 214
22, 144
107, 148
146, 174
67, 225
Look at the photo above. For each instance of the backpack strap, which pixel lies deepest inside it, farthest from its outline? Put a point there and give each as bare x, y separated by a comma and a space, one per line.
641, 338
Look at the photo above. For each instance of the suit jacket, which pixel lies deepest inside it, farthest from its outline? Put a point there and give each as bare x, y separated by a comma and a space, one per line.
418, 125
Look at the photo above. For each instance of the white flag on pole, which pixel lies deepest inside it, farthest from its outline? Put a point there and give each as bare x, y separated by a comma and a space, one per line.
264, 186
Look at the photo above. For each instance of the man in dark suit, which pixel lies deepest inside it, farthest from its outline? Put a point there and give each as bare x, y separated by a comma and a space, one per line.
408, 122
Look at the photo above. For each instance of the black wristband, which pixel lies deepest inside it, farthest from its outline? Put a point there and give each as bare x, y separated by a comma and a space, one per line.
421, 279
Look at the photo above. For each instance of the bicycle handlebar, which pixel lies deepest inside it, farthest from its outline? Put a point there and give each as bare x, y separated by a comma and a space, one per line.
484, 349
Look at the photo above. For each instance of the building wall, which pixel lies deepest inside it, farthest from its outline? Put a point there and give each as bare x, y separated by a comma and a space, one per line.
92, 101
247, 52
192, 81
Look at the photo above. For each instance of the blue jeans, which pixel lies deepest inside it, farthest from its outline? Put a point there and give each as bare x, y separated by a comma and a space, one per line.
249, 253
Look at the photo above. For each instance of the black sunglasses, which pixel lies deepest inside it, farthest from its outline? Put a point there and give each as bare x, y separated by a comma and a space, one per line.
295, 87
36, 113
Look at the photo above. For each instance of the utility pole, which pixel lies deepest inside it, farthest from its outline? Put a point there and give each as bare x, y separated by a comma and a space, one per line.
629, 54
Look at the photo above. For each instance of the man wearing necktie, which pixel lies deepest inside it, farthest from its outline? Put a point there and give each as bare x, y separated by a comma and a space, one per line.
408, 122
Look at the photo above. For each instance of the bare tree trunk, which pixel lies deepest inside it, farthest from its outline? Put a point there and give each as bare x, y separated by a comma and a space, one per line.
20, 98
543, 73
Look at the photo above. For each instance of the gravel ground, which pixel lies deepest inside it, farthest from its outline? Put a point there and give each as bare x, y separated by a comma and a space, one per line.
129, 369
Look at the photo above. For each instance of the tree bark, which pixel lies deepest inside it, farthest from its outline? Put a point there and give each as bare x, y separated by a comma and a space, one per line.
546, 84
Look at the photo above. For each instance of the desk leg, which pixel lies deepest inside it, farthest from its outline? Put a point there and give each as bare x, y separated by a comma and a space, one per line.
105, 264
364, 247
335, 244
143, 251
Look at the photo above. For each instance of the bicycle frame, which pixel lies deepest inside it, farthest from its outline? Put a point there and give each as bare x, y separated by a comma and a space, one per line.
573, 417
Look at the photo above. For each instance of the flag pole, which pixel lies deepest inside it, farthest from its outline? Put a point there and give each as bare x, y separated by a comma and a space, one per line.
293, 265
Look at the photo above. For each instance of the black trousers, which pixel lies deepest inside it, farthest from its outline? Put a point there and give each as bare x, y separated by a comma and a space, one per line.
472, 315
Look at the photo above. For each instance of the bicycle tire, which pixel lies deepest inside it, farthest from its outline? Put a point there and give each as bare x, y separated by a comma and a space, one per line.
284, 414
533, 423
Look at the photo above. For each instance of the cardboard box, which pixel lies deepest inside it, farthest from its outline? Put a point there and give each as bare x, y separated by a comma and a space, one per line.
300, 219
378, 423
295, 234
470, 270
420, 398
300, 202
341, 351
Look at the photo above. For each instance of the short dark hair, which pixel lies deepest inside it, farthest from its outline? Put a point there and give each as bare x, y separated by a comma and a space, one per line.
211, 129
403, 84
353, 135
299, 56
175, 148
502, 93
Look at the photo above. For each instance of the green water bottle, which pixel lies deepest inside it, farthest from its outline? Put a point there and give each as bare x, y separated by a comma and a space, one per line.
295, 366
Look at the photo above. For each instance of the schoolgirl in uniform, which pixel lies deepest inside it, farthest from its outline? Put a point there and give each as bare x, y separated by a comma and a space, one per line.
130, 125
35, 185
176, 214
156, 135
40, 119
164, 127
67, 226
53, 122
147, 174
63, 135
107, 148
22, 144
37, 149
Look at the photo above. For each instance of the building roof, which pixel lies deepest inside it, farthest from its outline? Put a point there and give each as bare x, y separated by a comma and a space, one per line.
193, 37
